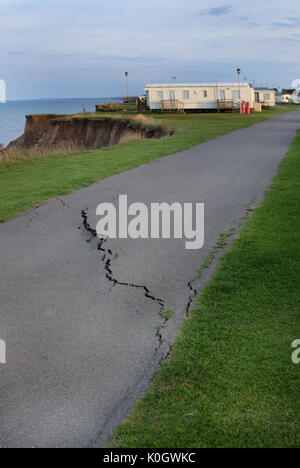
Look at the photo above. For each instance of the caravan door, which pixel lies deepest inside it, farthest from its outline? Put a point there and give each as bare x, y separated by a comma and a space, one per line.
172, 99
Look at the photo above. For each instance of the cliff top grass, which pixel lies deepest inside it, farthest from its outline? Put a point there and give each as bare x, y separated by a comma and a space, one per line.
26, 182
82, 116
140, 120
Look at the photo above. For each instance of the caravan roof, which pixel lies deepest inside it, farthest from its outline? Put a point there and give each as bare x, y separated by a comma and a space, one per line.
191, 85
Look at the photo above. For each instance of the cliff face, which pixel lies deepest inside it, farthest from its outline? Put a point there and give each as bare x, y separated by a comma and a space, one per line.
79, 132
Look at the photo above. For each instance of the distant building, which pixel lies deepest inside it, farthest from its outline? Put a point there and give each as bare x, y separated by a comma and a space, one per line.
198, 96
265, 96
286, 98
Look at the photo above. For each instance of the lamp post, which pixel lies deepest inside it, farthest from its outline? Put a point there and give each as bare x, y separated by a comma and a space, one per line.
126, 77
239, 81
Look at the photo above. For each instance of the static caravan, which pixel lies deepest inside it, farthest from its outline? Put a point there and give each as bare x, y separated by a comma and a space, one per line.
286, 98
198, 96
265, 96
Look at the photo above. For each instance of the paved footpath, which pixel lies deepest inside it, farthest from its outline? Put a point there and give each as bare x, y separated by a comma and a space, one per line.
81, 337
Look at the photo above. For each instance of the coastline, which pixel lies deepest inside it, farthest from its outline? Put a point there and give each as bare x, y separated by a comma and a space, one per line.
13, 112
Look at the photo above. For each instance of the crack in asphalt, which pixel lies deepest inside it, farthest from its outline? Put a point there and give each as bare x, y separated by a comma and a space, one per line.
106, 259
192, 296
60, 200
216, 252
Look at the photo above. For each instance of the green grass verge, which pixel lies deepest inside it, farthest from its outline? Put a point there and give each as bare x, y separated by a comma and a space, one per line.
230, 380
27, 183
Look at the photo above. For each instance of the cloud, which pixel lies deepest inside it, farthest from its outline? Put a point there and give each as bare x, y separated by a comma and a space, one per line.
218, 11
290, 22
15, 52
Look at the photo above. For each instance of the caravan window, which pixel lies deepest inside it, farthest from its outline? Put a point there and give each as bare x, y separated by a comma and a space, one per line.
160, 95
205, 93
186, 95
266, 96
235, 94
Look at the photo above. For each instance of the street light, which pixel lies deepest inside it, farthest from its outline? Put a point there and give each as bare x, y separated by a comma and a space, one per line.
126, 77
239, 80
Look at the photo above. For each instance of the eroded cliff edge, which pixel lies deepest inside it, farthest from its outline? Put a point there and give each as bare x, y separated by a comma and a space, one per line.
84, 132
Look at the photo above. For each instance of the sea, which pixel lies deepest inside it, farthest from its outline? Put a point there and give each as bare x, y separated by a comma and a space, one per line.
13, 113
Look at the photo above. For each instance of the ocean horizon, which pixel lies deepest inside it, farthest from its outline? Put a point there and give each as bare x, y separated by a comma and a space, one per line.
13, 112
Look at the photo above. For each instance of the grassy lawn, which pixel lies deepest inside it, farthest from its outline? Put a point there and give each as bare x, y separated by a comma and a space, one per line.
27, 183
230, 380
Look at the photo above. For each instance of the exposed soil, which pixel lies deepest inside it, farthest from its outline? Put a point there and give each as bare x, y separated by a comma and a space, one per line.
54, 132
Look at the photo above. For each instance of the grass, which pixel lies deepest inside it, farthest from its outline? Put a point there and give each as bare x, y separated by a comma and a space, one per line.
230, 380
28, 182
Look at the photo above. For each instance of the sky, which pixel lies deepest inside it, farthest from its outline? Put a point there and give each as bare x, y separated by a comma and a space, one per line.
76, 48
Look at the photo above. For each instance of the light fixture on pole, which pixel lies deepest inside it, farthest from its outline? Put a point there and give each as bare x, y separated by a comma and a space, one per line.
239, 81
127, 93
